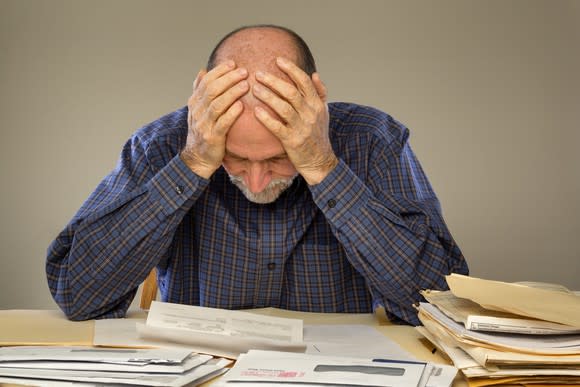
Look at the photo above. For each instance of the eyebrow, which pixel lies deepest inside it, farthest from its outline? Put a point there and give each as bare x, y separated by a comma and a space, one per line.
282, 155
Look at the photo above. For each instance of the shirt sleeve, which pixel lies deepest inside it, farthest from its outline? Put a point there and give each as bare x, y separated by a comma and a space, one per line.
121, 232
391, 228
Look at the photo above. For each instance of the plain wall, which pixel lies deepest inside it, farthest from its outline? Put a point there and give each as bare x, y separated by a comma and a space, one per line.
489, 89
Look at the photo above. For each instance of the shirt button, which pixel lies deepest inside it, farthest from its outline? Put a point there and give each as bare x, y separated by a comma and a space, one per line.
331, 203
271, 266
179, 189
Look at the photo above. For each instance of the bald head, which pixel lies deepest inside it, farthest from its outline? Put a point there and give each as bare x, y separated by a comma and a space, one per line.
300, 50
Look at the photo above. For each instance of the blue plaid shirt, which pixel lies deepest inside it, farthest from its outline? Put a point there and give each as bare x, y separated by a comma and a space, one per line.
371, 233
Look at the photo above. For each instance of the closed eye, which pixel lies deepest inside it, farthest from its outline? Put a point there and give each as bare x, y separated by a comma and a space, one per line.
233, 157
279, 158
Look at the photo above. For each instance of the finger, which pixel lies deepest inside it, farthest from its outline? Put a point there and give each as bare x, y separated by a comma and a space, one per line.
273, 125
287, 91
200, 74
320, 87
220, 104
298, 76
226, 120
214, 88
284, 109
219, 70
191, 99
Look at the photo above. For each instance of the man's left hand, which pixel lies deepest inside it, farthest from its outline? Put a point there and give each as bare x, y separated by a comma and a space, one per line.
302, 107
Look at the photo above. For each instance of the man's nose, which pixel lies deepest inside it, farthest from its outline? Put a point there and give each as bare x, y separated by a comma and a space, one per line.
258, 177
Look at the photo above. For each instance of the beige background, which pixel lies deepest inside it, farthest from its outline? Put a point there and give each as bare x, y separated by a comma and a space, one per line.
489, 89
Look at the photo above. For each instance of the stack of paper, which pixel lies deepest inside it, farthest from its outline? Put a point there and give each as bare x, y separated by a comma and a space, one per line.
273, 368
147, 367
497, 332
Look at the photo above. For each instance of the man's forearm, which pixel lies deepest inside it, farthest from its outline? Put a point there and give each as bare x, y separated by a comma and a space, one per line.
393, 242
97, 262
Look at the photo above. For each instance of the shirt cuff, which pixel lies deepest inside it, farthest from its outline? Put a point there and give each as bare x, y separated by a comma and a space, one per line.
176, 184
341, 195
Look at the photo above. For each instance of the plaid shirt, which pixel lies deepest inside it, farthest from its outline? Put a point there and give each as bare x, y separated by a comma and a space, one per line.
371, 233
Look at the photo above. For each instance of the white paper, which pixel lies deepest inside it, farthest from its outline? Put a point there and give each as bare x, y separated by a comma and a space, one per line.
566, 344
232, 323
44, 383
283, 367
93, 354
221, 332
527, 371
118, 332
517, 325
123, 333
362, 341
189, 363
438, 375
195, 375
459, 358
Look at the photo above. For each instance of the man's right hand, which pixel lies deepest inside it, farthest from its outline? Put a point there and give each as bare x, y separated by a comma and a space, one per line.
212, 109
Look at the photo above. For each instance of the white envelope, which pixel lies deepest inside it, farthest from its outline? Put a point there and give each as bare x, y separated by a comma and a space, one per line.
284, 367
131, 356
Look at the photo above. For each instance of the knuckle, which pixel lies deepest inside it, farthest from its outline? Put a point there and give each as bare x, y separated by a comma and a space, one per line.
310, 120
319, 109
294, 95
211, 93
213, 111
286, 111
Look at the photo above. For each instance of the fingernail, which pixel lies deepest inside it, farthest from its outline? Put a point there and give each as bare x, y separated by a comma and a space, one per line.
281, 61
259, 75
242, 71
230, 63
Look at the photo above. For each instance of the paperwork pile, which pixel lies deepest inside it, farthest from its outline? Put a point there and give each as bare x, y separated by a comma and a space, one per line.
44, 366
270, 350
505, 333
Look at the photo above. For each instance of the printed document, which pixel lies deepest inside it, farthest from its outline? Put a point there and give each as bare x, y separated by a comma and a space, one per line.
548, 345
221, 332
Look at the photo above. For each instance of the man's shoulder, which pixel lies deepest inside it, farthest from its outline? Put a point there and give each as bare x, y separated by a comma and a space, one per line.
170, 126
350, 109
350, 119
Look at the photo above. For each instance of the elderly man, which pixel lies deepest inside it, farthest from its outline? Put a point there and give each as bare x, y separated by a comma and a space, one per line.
259, 193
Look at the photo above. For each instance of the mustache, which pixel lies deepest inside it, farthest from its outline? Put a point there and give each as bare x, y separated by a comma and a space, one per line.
272, 191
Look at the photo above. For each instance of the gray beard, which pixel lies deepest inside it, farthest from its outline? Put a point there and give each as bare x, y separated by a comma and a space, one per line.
272, 191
